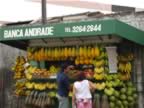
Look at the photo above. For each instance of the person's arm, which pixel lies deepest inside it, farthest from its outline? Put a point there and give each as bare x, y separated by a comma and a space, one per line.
92, 85
73, 96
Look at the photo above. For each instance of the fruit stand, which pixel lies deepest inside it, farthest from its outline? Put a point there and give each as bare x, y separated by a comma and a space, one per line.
99, 48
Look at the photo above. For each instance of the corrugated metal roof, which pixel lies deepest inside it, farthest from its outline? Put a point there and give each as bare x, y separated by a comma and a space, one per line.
74, 17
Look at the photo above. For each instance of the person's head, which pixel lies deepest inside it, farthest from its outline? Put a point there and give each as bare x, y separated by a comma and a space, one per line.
66, 68
87, 68
81, 76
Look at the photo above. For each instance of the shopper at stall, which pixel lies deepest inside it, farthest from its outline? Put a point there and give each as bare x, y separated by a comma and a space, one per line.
82, 97
63, 86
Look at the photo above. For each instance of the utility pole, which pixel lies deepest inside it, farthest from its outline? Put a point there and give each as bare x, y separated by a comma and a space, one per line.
44, 11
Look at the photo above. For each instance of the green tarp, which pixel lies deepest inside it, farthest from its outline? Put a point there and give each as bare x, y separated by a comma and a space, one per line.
73, 29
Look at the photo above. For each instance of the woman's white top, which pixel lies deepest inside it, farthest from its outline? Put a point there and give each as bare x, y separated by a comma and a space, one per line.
82, 89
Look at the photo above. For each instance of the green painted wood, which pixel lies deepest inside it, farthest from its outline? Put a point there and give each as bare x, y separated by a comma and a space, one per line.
34, 63
42, 65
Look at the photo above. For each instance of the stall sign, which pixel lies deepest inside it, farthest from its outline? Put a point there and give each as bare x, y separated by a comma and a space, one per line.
83, 28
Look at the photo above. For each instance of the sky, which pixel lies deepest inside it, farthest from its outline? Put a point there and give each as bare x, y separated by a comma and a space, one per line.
135, 3
21, 10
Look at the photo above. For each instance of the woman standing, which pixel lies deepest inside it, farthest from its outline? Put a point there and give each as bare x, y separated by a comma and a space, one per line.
82, 97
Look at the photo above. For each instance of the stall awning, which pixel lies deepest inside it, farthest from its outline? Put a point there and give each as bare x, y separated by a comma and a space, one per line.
20, 34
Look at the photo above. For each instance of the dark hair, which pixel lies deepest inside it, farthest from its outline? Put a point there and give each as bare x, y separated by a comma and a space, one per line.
64, 66
81, 76
87, 67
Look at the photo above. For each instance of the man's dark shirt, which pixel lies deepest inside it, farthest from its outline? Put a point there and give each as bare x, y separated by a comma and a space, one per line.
63, 84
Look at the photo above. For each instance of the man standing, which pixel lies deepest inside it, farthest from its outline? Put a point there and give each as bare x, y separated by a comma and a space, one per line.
63, 86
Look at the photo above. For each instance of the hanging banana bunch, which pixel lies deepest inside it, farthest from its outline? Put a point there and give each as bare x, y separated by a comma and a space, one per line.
125, 66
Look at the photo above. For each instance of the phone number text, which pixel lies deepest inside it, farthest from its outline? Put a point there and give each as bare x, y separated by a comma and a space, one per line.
84, 28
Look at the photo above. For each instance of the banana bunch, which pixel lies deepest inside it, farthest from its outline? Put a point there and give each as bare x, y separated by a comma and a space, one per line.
29, 85
34, 72
31, 69
127, 67
19, 92
98, 63
99, 76
29, 72
51, 85
100, 86
19, 88
126, 57
28, 76
36, 86
99, 70
62, 53
101, 56
52, 94
49, 54
19, 84
30, 53
124, 77
39, 86
18, 68
53, 70
82, 60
